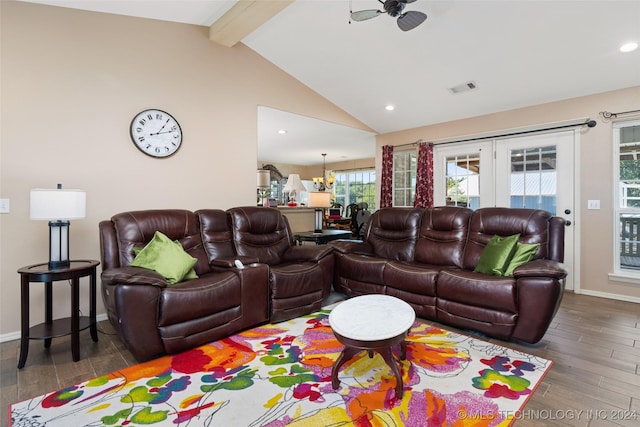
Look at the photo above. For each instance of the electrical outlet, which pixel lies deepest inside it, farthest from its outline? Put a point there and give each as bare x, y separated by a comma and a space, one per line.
4, 206
593, 204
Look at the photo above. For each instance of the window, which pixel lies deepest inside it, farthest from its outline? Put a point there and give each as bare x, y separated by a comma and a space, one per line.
626, 144
404, 177
463, 180
355, 186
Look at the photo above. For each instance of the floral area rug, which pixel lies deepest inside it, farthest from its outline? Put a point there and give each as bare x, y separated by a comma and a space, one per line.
280, 375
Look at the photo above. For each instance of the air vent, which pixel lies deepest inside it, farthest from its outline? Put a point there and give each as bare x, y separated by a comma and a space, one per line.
464, 87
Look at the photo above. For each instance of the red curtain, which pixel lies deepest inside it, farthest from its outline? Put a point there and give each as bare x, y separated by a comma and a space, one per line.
386, 181
424, 176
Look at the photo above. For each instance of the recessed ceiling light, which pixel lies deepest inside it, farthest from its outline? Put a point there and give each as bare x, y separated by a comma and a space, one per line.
282, 131
389, 107
628, 47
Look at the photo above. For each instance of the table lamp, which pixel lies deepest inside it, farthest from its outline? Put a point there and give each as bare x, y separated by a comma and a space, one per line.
58, 206
319, 200
264, 185
293, 186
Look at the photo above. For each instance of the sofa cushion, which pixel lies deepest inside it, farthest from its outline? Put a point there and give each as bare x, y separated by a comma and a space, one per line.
209, 294
261, 233
393, 232
137, 228
495, 257
443, 234
531, 224
477, 289
165, 257
523, 254
217, 237
361, 268
411, 277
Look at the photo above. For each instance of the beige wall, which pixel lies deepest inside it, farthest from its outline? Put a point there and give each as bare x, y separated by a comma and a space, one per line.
595, 227
71, 81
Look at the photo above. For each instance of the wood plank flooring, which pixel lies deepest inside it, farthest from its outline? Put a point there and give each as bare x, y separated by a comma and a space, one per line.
594, 382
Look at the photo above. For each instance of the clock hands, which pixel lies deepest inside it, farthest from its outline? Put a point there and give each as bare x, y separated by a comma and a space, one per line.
160, 130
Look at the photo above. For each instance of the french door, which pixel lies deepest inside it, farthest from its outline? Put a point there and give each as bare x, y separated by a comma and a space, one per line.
532, 171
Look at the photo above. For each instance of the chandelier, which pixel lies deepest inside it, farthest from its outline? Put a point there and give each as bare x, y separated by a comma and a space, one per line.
325, 182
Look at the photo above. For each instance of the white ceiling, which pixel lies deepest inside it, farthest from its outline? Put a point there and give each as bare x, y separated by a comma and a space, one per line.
518, 53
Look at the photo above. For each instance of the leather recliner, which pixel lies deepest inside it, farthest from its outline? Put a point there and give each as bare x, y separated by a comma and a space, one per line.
300, 276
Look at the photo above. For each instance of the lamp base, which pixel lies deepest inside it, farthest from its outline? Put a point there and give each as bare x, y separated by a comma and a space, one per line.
58, 244
318, 220
55, 265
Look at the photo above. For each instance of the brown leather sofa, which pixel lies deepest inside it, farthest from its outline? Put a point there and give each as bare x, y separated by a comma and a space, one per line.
427, 258
154, 318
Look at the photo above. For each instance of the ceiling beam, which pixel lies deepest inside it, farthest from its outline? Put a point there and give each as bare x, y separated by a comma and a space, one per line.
243, 18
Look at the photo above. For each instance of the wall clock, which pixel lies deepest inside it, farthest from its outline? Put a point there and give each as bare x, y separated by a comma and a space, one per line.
156, 133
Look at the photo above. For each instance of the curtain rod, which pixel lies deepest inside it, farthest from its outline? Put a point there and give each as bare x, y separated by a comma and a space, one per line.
409, 143
588, 122
607, 116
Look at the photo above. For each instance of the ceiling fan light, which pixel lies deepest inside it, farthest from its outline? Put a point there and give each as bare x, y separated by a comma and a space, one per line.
389, 107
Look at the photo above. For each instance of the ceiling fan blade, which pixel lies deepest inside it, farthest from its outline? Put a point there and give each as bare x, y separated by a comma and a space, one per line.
410, 20
406, 1
363, 15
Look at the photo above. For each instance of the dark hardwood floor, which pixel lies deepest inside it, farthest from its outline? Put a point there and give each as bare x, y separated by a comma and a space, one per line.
594, 343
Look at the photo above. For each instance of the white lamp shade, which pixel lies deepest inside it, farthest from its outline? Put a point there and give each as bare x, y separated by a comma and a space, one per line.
264, 178
320, 199
294, 184
58, 204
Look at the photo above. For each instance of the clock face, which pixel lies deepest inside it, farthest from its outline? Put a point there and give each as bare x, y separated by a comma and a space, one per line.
156, 133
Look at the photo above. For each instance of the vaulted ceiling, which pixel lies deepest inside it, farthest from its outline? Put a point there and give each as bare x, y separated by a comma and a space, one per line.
515, 53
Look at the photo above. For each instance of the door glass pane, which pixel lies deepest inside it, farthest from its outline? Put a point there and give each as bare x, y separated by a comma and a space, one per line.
463, 180
533, 178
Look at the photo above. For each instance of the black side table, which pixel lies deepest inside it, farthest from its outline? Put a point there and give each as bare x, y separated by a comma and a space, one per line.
321, 238
59, 327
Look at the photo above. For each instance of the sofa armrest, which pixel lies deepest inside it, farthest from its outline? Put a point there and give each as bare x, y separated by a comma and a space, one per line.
137, 311
230, 262
352, 247
307, 253
540, 268
132, 276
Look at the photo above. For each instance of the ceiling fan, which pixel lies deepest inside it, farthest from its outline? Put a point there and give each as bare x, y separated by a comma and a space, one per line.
406, 21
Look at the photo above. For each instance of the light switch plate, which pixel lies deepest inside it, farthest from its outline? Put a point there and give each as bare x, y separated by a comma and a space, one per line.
5, 205
593, 204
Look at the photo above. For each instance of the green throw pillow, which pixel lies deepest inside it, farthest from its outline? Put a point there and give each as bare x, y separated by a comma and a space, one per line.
495, 257
523, 254
167, 258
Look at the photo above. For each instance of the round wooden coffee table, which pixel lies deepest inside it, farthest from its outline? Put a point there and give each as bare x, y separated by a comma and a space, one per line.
372, 323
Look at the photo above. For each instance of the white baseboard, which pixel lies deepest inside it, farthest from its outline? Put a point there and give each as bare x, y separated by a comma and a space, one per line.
16, 335
608, 295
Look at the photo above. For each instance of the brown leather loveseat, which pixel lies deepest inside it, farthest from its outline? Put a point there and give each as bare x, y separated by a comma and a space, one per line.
154, 317
427, 257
